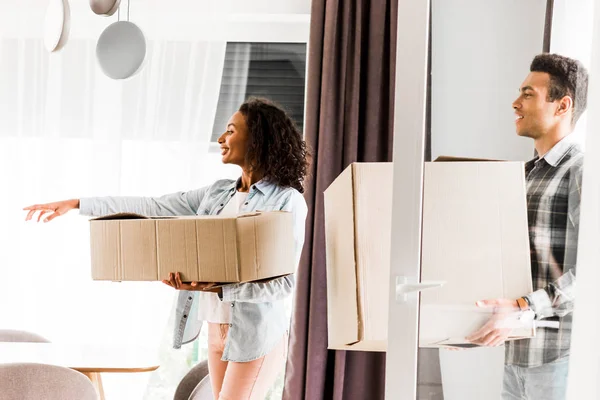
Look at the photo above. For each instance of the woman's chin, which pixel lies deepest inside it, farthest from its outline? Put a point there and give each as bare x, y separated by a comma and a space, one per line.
229, 160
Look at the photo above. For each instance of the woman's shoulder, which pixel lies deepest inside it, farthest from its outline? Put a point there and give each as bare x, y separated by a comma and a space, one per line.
292, 195
221, 184
284, 191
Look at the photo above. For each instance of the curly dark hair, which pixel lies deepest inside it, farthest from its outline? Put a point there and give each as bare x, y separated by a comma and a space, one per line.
275, 146
568, 77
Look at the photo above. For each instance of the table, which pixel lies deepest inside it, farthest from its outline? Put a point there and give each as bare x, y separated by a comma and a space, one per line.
90, 360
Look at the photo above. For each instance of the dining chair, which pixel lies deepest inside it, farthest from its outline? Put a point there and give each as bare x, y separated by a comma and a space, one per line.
32, 381
191, 381
10, 335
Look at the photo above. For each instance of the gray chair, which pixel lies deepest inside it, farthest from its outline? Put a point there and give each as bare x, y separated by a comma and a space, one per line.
194, 378
30, 381
9, 335
203, 390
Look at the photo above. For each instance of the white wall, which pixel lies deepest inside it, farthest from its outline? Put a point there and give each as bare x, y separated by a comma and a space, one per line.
481, 51
572, 28
573, 33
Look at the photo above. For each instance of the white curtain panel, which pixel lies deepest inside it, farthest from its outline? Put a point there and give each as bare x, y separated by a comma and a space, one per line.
67, 131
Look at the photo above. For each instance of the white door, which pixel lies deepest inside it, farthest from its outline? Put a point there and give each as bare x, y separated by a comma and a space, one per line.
480, 53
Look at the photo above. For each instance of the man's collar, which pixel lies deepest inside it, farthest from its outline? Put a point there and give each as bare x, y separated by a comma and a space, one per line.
560, 149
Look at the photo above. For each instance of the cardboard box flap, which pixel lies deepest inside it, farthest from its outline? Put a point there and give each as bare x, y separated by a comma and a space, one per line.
223, 284
342, 301
130, 215
259, 212
372, 227
123, 215
463, 159
127, 216
249, 214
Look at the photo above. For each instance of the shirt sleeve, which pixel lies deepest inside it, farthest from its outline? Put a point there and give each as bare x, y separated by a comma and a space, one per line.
179, 203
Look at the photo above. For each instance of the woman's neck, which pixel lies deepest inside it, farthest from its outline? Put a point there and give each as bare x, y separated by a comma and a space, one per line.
249, 178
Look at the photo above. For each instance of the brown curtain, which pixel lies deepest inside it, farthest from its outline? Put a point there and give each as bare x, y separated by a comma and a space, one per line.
349, 118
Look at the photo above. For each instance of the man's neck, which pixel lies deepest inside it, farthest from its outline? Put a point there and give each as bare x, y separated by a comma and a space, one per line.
545, 143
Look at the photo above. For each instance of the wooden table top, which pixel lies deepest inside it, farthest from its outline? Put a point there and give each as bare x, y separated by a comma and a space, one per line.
83, 358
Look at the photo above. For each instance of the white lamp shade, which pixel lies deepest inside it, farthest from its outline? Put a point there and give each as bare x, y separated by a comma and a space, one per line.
105, 7
121, 50
57, 24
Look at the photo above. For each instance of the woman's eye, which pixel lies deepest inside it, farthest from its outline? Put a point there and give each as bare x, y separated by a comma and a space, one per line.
229, 132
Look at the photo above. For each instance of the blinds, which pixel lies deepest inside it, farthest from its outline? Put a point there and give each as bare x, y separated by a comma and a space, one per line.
276, 71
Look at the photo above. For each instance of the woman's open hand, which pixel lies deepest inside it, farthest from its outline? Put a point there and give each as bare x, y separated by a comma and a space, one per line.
57, 209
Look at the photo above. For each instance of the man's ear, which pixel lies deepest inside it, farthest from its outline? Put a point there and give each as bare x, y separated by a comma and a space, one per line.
564, 105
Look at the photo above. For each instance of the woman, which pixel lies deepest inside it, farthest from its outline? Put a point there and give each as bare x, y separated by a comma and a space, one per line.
247, 322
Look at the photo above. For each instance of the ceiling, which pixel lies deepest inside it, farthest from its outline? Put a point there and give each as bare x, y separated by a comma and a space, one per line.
182, 19
200, 6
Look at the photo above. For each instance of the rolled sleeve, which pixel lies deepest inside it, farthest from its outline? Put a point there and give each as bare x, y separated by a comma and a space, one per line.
85, 206
540, 303
178, 203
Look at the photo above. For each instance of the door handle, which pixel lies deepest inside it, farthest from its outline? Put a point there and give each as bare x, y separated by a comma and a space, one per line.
406, 287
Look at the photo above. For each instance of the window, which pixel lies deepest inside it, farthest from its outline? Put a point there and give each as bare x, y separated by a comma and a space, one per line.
276, 71
146, 136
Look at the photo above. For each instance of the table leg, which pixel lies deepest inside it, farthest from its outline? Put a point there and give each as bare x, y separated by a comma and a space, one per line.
97, 382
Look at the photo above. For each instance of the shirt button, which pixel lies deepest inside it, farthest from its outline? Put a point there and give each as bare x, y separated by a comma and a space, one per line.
184, 316
221, 205
246, 203
190, 298
230, 325
232, 304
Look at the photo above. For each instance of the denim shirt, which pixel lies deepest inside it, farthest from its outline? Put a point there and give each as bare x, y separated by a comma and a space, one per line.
258, 316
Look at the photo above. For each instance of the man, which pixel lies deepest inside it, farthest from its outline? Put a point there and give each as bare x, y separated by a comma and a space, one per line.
551, 100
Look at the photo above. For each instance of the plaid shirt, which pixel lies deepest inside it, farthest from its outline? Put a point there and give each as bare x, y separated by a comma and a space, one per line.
553, 200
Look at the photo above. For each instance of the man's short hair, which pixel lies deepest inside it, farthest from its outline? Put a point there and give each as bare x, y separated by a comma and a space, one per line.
568, 77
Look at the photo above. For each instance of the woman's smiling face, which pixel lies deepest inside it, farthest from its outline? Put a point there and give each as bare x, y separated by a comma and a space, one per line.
234, 141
